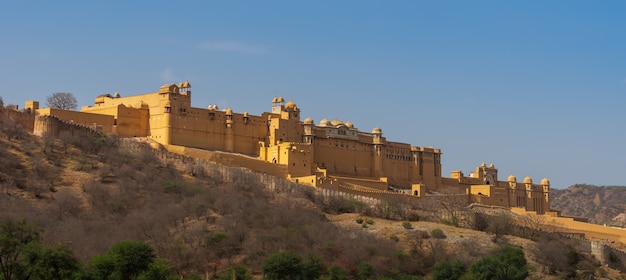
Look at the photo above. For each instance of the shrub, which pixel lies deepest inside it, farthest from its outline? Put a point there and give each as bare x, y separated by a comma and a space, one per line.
359, 221
394, 238
438, 233
407, 225
369, 221
424, 234
412, 216
448, 270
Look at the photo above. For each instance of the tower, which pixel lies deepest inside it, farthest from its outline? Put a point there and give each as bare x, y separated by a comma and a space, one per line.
545, 185
308, 131
512, 190
230, 141
377, 140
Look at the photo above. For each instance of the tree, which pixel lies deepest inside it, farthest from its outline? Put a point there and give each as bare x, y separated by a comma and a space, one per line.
447, 270
364, 271
16, 238
62, 100
509, 263
312, 268
237, 273
125, 260
1, 103
57, 262
337, 272
499, 225
283, 266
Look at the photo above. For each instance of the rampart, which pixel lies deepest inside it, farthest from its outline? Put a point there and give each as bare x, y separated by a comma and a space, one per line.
591, 231
24, 119
51, 125
231, 159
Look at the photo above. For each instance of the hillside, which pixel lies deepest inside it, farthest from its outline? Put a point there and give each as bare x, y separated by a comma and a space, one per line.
204, 218
600, 204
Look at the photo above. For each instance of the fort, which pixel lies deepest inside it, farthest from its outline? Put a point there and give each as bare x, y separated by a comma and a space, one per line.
316, 154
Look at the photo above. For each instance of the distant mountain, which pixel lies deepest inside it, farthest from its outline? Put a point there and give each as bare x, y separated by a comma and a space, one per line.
600, 204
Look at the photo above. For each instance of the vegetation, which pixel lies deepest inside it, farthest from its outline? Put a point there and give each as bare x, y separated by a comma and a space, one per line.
447, 270
62, 100
437, 233
507, 263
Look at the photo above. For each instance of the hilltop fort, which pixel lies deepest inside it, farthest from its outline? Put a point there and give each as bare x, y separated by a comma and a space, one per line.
330, 152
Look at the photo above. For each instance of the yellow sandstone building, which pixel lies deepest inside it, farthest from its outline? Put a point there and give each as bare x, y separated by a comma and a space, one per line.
318, 154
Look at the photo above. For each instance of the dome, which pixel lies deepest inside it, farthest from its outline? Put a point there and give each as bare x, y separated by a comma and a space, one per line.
511, 178
528, 180
324, 122
245, 114
377, 130
116, 95
186, 84
545, 181
349, 124
491, 165
308, 121
290, 105
274, 100
180, 85
336, 122
229, 111
280, 99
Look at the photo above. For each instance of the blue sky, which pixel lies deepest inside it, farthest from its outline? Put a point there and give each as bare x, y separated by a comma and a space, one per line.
536, 87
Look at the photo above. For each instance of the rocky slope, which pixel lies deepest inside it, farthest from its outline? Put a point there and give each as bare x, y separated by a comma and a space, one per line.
600, 204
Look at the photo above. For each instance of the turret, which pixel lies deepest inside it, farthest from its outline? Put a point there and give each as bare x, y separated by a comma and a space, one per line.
377, 134
512, 180
309, 125
230, 139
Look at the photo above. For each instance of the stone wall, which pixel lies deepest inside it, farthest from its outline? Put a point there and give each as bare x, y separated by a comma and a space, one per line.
51, 125
24, 119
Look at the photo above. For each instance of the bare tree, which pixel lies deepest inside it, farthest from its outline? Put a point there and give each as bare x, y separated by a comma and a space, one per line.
62, 100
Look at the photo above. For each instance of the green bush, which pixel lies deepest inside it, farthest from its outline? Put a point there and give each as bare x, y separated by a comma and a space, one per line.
394, 238
407, 225
506, 263
438, 233
424, 234
448, 270
359, 221
369, 221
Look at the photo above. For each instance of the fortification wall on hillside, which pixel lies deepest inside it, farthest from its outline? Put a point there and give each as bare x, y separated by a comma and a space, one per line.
24, 119
242, 176
230, 159
51, 125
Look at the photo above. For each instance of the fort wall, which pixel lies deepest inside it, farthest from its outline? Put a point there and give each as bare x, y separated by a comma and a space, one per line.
54, 126
591, 231
230, 159
24, 119
98, 122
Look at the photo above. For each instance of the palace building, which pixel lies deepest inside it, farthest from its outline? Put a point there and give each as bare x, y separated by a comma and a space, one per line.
326, 152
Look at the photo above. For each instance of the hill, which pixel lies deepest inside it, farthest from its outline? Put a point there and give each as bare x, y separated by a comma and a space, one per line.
203, 218
600, 204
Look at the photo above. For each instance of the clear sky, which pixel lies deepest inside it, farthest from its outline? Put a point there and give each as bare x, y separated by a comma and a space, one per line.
536, 87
